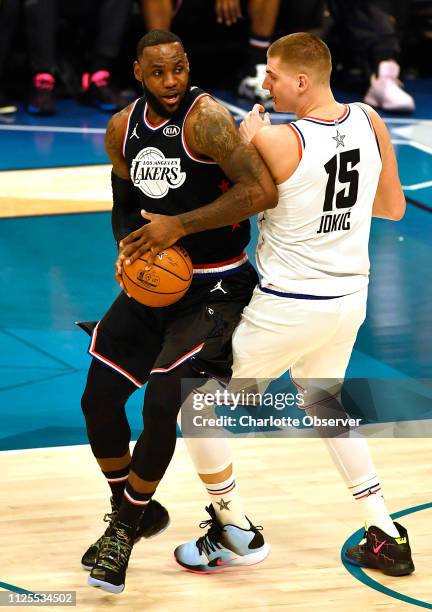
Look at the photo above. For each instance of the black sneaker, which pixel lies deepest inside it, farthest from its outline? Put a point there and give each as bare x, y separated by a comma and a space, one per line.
89, 557
109, 571
98, 92
155, 519
41, 100
380, 551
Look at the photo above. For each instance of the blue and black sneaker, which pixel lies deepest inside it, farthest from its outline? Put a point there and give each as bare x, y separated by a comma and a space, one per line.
222, 547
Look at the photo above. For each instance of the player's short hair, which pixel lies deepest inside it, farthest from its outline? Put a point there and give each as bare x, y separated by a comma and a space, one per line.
304, 51
157, 37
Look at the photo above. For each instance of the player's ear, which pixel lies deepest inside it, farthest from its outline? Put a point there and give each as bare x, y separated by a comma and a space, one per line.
302, 82
137, 71
187, 62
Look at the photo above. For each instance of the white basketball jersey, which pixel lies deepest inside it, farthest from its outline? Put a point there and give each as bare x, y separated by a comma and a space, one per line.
315, 241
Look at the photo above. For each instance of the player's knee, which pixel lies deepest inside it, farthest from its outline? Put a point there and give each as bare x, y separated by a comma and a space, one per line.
159, 409
88, 401
96, 401
106, 391
164, 394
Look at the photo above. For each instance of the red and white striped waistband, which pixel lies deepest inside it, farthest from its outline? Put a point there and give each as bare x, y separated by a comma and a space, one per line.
220, 266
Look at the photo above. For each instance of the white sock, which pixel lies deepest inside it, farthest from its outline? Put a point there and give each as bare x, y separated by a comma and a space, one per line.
226, 501
354, 462
367, 493
211, 456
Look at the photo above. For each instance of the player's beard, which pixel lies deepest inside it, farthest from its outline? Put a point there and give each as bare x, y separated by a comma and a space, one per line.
157, 106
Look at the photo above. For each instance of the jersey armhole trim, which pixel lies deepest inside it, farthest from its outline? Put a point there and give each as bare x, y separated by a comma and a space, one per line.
371, 125
127, 126
300, 139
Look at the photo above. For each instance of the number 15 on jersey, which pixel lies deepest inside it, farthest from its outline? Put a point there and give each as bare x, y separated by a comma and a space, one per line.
341, 167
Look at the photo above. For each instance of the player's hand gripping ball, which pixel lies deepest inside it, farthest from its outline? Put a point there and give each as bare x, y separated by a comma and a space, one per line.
164, 283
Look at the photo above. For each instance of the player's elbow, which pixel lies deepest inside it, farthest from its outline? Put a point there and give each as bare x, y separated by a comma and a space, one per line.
398, 216
399, 208
270, 196
274, 198
392, 207
260, 195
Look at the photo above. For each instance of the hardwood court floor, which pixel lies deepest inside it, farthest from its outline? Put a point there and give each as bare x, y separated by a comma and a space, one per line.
55, 191
53, 501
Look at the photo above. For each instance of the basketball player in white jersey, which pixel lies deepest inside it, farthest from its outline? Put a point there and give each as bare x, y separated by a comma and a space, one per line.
335, 168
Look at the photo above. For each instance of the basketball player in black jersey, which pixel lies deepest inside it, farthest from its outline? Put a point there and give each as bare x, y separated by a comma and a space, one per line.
173, 150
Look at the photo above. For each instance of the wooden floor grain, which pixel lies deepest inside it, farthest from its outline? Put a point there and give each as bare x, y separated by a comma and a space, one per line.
53, 501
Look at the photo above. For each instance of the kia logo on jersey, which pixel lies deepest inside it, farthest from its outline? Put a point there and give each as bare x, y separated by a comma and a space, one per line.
154, 174
171, 130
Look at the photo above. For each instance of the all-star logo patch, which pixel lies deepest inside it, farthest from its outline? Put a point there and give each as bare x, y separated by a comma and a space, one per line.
339, 138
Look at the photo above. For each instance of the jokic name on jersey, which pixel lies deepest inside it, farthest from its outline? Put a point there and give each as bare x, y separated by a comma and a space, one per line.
154, 174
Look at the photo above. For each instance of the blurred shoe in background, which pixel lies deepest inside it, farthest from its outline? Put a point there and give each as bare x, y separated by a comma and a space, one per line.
386, 91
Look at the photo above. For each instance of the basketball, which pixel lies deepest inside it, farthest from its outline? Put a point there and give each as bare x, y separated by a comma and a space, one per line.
164, 283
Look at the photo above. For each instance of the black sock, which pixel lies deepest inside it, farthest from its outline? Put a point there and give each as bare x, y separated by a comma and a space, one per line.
132, 506
257, 51
117, 481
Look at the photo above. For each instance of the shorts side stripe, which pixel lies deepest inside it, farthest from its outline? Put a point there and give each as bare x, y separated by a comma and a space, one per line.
109, 363
179, 361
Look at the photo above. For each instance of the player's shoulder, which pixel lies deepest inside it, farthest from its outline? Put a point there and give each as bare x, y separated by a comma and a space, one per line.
119, 120
278, 146
115, 133
377, 122
210, 130
209, 109
371, 112
365, 107
279, 135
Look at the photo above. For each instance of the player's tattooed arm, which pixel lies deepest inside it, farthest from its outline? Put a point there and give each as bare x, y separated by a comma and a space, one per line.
211, 132
114, 136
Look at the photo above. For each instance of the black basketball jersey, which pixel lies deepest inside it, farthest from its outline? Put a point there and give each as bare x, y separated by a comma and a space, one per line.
170, 180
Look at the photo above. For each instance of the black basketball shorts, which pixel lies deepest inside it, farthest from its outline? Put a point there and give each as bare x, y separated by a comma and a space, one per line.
138, 340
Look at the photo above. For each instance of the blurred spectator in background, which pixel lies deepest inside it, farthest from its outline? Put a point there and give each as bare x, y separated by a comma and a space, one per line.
158, 14
372, 30
8, 15
84, 42
263, 15
102, 20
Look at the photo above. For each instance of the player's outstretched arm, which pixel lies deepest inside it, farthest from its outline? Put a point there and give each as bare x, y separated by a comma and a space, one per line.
389, 200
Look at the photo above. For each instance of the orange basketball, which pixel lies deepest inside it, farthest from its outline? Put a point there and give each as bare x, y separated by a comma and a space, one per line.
164, 283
